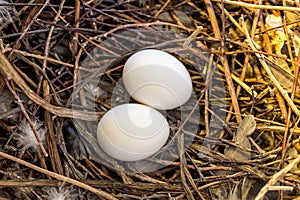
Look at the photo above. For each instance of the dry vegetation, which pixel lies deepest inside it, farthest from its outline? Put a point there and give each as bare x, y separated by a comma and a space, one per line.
247, 138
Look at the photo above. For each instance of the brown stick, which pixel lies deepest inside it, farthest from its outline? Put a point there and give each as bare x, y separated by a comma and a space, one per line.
227, 72
255, 6
286, 132
50, 136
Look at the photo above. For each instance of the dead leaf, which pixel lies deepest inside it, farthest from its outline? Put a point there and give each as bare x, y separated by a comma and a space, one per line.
292, 153
277, 34
282, 73
245, 129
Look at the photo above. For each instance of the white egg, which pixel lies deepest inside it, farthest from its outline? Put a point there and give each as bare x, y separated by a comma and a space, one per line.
157, 79
132, 132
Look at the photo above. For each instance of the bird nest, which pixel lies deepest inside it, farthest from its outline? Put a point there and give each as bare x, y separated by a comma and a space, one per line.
61, 65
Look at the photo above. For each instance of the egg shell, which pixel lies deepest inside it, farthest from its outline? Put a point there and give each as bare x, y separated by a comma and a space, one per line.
132, 132
157, 79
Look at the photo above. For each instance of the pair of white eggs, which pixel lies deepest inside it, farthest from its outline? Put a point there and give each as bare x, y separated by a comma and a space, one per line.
132, 132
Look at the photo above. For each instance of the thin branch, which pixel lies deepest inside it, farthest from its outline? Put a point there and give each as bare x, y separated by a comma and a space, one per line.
255, 6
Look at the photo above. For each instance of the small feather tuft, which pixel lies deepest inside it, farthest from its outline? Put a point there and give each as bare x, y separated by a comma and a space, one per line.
94, 90
61, 193
5, 12
25, 137
57, 194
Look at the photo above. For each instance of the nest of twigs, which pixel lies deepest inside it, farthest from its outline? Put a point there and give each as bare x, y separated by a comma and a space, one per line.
61, 70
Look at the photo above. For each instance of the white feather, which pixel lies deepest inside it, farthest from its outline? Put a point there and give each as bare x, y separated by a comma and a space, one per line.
4, 12
25, 137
